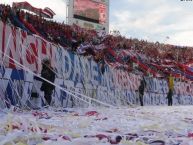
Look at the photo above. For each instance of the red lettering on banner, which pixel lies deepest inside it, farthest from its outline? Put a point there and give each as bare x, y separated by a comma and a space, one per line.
11, 62
25, 49
23, 46
44, 44
52, 54
12, 48
29, 57
31, 54
24, 35
8, 44
48, 50
14, 36
19, 45
15, 51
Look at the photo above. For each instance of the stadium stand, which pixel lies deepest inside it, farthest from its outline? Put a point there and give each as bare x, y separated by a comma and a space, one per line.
156, 59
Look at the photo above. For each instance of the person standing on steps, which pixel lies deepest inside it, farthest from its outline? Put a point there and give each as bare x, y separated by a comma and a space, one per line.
48, 74
141, 90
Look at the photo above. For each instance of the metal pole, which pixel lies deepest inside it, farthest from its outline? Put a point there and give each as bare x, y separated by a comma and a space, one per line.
67, 12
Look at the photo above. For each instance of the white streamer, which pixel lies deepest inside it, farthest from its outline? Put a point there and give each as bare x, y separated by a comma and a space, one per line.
69, 92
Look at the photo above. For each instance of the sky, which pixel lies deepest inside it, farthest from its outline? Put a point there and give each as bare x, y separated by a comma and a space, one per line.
165, 21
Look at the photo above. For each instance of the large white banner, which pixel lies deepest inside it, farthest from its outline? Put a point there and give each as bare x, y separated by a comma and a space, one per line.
74, 72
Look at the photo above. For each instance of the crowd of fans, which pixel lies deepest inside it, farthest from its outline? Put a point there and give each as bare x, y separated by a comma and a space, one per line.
103, 47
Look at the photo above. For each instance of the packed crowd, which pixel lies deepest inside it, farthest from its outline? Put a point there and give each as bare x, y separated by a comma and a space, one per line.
100, 45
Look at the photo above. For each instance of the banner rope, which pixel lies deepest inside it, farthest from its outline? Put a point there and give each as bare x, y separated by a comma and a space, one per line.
69, 92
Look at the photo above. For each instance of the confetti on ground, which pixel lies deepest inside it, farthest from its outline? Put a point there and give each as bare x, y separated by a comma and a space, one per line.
98, 126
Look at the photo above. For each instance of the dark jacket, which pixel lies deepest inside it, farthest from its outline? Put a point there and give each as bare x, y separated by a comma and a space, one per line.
48, 74
142, 86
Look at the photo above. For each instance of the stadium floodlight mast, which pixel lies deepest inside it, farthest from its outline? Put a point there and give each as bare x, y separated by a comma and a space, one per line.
67, 2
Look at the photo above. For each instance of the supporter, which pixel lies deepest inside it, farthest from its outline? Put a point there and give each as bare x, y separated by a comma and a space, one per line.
171, 88
142, 87
16, 22
102, 66
48, 74
147, 55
